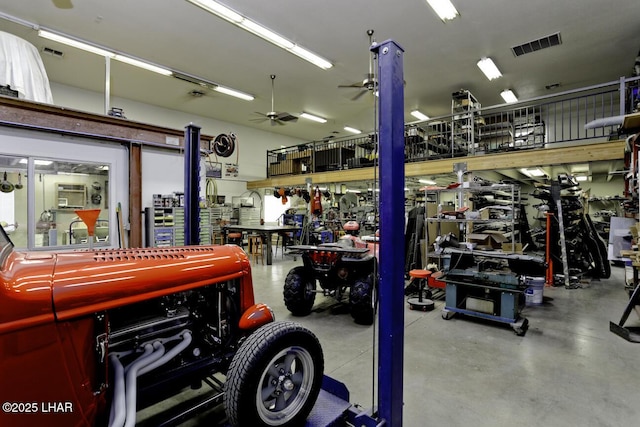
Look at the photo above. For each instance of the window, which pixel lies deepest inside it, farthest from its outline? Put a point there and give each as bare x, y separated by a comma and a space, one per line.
60, 188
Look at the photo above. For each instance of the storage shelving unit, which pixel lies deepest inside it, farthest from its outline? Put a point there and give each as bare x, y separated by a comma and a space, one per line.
602, 209
503, 217
248, 216
465, 112
512, 130
71, 196
165, 226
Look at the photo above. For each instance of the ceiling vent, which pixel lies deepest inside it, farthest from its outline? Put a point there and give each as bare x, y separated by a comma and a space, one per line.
52, 52
535, 45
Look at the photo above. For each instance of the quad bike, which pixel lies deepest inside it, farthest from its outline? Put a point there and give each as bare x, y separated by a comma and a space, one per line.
347, 265
88, 338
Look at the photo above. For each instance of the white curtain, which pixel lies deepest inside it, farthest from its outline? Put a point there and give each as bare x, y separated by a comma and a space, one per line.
22, 69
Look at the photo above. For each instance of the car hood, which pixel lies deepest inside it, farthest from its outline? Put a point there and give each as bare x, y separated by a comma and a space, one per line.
90, 281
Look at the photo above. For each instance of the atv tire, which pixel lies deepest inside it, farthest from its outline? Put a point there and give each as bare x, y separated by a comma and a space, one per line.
299, 294
275, 377
361, 301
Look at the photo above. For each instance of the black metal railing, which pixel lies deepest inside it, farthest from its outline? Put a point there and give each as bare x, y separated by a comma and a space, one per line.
533, 124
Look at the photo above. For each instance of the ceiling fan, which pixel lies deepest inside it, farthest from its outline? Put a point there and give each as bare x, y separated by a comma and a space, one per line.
274, 117
369, 83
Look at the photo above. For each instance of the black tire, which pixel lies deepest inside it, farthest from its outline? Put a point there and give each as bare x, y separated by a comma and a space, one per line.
299, 294
601, 246
275, 377
361, 301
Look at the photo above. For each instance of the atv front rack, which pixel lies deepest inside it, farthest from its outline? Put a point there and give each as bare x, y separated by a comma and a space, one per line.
325, 256
331, 248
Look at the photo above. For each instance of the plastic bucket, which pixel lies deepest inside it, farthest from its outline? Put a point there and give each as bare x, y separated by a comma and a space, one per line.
534, 293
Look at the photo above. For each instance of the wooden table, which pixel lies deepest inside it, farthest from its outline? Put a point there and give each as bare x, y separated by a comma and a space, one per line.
264, 230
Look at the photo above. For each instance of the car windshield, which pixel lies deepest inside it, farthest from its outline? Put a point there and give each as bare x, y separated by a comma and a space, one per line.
6, 246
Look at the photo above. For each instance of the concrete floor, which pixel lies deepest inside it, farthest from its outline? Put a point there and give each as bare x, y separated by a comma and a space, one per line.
568, 370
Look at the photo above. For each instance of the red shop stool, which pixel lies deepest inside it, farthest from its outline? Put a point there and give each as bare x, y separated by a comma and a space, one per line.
235, 238
420, 303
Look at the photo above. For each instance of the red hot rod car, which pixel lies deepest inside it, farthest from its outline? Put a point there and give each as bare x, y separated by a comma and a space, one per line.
88, 338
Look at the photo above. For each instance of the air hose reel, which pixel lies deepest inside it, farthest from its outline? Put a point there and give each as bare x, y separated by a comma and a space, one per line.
224, 145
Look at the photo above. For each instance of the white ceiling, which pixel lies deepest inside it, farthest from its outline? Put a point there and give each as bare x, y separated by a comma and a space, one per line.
600, 43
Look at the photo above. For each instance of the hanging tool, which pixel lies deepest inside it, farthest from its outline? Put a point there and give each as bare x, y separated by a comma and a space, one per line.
120, 226
5, 185
555, 195
19, 185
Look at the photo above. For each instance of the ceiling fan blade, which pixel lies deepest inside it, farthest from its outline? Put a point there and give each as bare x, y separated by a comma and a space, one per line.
360, 94
261, 119
286, 117
277, 122
353, 85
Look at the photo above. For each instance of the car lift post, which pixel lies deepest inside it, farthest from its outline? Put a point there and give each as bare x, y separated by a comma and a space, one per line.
191, 185
391, 289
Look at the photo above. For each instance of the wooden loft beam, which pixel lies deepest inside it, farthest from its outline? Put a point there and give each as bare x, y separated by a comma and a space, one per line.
574, 153
51, 118
583, 153
360, 174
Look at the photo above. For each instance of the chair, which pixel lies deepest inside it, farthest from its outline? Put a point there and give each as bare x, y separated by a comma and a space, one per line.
101, 234
280, 240
420, 303
235, 238
79, 234
256, 248
217, 238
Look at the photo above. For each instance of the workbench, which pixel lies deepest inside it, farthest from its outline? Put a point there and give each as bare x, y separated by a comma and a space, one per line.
488, 285
264, 230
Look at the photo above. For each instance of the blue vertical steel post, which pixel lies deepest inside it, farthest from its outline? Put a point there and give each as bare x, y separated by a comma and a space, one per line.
191, 185
391, 155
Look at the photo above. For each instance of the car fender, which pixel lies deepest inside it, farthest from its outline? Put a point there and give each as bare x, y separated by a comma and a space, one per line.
256, 316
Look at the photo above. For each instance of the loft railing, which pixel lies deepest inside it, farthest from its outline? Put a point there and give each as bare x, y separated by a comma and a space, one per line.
532, 124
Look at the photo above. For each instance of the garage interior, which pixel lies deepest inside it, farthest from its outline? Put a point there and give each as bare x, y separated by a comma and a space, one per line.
523, 212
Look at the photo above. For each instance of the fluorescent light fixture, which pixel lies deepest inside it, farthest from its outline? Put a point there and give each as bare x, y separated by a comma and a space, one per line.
307, 55
418, 115
579, 167
508, 96
489, 68
74, 43
72, 174
581, 178
444, 8
261, 31
233, 92
102, 52
533, 172
312, 117
266, 34
352, 130
36, 162
427, 181
142, 64
219, 9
